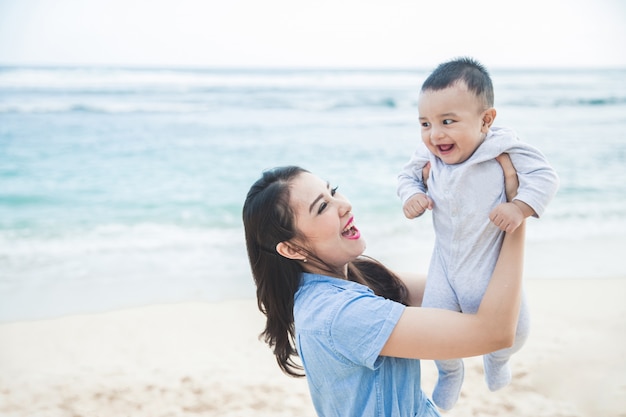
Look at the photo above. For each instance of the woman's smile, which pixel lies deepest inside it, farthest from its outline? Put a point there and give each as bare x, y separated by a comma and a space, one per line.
350, 231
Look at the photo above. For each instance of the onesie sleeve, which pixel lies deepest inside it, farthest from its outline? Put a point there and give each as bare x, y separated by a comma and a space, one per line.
410, 181
361, 327
538, 181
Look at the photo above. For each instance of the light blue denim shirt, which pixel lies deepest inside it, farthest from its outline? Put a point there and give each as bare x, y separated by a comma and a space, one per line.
341, 327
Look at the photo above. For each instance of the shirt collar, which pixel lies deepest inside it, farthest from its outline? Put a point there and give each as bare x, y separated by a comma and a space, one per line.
309, 278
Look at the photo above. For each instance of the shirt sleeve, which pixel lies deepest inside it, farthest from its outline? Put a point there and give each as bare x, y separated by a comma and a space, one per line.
361, 327
538, 181
410, 181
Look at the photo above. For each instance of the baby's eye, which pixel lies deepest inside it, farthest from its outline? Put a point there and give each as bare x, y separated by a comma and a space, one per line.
448, 121
425, 124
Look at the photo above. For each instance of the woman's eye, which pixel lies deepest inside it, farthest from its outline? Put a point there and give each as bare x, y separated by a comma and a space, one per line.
324, 204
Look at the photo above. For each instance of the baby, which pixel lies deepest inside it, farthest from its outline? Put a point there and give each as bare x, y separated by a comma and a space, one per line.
466, 194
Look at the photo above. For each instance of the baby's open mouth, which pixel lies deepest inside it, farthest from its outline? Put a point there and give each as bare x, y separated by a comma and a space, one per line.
445, 148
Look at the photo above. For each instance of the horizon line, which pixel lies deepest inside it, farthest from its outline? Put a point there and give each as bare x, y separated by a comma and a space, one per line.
4, 65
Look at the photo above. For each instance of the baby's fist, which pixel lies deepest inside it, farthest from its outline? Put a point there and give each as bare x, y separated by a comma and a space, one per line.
507, 216
417, 205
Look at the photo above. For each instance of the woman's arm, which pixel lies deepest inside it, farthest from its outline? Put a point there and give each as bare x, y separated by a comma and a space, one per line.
429, 333
416, 283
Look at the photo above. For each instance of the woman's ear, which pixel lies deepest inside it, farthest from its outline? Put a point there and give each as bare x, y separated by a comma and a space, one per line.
288, 251
489, 116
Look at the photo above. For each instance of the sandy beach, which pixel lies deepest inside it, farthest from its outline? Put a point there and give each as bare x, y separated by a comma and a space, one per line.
204, 359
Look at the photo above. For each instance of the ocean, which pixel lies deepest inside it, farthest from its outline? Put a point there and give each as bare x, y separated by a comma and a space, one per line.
123, 187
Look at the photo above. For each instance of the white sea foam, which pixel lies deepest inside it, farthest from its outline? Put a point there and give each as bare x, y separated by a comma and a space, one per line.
184, 80
114, 265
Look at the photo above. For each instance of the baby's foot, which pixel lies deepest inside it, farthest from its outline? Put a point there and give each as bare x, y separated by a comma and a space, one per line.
497, 374
448, 388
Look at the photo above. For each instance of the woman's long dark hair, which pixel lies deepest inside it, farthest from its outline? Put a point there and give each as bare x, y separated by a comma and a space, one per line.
268, 220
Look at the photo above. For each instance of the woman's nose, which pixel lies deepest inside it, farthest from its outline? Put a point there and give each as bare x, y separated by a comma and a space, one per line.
344, 207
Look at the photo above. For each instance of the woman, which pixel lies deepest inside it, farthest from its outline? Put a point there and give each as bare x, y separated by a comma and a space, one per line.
346, 316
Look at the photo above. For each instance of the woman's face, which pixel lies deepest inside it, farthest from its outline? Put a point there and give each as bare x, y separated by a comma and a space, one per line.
325, 222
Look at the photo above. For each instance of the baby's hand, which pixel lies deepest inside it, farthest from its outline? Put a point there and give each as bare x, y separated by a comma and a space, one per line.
417, 205
507, 216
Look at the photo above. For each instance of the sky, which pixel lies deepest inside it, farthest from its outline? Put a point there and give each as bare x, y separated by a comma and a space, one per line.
313, 34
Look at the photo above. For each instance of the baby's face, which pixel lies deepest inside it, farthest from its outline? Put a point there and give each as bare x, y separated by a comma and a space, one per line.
452, 122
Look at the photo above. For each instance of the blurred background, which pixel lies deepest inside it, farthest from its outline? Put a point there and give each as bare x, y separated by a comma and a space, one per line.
130, 132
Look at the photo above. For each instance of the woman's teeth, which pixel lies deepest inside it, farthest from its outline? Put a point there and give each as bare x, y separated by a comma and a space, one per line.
350, 231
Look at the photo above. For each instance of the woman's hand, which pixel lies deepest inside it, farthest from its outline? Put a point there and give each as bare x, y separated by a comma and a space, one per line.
511, 183
426, 173
508, 216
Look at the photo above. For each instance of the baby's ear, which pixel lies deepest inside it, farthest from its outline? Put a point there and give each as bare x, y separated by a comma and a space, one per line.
489, 116
287, 250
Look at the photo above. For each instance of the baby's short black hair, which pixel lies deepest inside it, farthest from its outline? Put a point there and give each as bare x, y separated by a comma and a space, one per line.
467, 70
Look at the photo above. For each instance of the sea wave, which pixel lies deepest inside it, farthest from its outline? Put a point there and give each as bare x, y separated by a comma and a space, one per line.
553, 102
113, 237
101, 108
308, 101
318, 104
115, 78
119, 90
